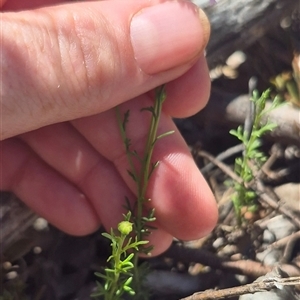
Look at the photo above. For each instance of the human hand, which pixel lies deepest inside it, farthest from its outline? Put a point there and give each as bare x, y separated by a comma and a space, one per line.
64, 69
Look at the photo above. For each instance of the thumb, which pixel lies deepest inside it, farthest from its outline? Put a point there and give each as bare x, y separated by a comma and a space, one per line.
69, 61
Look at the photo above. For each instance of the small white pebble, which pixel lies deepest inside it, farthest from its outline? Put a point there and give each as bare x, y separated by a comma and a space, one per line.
11, 275
236, 59
40, 224
37, 250
6, 265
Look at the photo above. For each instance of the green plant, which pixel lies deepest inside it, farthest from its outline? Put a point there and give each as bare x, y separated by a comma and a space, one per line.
252, 159
124, 274
118, 276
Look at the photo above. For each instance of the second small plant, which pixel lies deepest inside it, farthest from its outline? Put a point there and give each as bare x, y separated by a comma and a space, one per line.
253, 158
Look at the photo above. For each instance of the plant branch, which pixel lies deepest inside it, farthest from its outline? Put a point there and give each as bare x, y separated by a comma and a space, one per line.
256, 185
257, 286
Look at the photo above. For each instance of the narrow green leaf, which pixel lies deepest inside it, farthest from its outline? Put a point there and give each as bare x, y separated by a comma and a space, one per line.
165, 134
132, 175
254, 145
125, 120
105, 234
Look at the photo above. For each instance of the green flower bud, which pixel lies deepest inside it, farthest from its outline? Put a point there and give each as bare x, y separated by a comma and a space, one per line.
125, 227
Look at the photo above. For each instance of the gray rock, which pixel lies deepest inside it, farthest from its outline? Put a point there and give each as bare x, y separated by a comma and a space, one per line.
270, 295
219, 242
280, 227
280, 293
268, 237
269, 257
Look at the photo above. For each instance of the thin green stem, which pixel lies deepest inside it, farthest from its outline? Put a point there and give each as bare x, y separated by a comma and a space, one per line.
145, 170
117, 258
160, 97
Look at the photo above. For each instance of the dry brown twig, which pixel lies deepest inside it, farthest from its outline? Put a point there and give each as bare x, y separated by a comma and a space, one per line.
266, 284
275, 154
287, 255
244, 267
284, 242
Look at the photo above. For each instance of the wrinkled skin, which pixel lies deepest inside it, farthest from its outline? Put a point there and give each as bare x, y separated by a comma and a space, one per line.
61, 150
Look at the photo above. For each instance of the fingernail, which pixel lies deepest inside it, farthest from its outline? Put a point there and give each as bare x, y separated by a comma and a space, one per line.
168, 35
